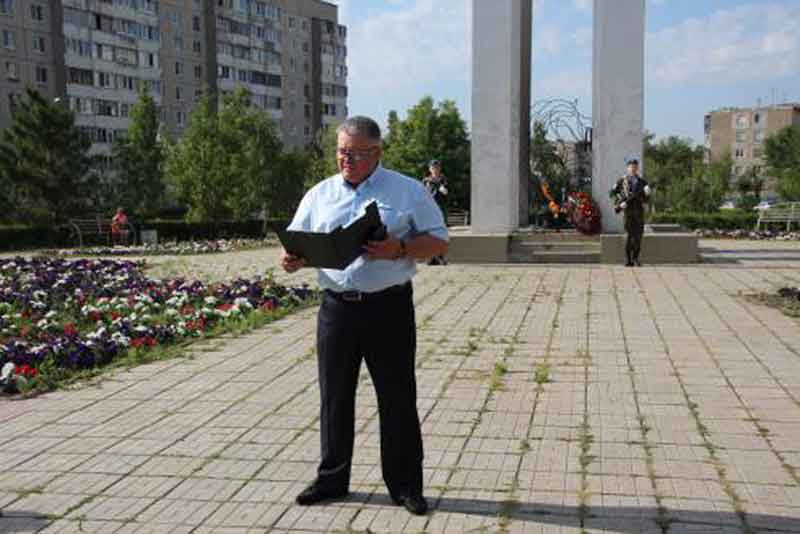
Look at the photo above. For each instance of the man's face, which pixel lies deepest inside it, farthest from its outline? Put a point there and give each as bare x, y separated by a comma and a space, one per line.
356, 157
436, 170
633, 168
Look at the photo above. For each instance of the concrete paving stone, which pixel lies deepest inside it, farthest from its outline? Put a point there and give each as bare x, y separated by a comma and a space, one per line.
103, 508
205, 489
69, 526
177, 430
178, 512
246, 515
41, 504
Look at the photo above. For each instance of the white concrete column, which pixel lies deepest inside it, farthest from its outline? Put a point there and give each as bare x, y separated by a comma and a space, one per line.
617, 97
501, 80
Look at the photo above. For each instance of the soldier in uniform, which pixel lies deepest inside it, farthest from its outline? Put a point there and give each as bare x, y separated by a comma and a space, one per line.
631, 193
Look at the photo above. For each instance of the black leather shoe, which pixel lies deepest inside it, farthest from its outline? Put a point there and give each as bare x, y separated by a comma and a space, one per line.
416, 504
314, 495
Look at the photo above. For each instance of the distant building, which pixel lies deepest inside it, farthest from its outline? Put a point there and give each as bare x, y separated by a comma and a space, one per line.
740, 133
97, 55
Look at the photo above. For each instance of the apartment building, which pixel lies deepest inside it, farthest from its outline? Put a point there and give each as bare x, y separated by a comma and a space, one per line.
740, 133
31, 51
97, 55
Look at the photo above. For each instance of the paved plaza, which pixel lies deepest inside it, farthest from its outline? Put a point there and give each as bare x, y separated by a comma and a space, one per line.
553, 399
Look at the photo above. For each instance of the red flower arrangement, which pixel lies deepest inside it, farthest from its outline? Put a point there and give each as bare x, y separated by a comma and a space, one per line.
583, 213
26, 371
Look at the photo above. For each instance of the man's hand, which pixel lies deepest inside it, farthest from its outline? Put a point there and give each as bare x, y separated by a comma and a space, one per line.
291, 263
623, 205
388, 249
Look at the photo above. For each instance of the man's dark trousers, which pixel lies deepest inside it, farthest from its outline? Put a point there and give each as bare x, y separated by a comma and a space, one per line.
634, 226
382, 330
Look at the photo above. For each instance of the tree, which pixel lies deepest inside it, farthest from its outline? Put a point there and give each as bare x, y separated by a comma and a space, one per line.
221, 165
428, 132
782, 152
45, 161
704, 190
547, 164
670, 160
287, 184
322, 157
139, 161
253, 145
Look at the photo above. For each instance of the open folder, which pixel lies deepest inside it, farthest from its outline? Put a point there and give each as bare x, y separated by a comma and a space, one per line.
339, 248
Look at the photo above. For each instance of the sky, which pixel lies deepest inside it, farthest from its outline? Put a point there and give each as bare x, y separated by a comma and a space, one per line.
700, 55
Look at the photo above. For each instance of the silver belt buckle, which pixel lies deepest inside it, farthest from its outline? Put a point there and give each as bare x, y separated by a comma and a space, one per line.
352, 296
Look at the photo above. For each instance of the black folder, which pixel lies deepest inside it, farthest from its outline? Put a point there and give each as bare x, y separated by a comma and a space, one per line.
339, 248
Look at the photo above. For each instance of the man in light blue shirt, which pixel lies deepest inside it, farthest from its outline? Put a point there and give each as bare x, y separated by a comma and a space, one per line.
368, 312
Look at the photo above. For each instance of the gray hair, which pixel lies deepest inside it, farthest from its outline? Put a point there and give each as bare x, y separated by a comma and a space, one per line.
362, 127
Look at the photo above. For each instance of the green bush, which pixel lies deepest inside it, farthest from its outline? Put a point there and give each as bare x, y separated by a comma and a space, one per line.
718, 220
30, 237
20, 238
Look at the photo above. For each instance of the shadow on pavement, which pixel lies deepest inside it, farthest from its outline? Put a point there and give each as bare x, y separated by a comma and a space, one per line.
623, 519
20, 521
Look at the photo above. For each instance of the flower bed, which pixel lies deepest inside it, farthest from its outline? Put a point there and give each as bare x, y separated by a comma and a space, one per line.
59, 316
183, 248
765, 235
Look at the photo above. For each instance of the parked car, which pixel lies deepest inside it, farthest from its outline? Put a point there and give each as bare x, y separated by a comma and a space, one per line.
764, 204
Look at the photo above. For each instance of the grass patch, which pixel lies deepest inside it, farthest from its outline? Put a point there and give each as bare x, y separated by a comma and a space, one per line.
498, 373
541, 374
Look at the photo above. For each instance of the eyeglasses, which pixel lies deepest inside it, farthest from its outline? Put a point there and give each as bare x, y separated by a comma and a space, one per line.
355, 155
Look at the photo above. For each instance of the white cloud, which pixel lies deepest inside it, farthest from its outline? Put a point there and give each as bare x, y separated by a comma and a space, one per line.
751, 42
547, 40
583, 5
398, 49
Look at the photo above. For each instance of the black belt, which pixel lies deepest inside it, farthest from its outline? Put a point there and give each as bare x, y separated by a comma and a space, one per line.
359, 296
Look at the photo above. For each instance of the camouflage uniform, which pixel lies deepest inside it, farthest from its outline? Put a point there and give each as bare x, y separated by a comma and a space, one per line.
630, 190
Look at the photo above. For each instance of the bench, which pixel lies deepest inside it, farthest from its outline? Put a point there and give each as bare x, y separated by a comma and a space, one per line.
99, 226
458, 218
787, 212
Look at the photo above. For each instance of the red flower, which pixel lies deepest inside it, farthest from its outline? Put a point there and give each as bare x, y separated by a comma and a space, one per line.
187, 309
268, 305
96, 316
115, 315
70, 330
225, 307
24, 331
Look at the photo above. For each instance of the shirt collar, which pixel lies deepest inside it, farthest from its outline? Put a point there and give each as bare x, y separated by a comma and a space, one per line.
369, 181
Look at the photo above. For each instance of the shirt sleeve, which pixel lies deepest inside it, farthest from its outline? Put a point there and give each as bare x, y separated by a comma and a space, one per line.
302, 221
427, 216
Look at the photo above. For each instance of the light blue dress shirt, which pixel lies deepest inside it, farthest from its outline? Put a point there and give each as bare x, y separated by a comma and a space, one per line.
406, 209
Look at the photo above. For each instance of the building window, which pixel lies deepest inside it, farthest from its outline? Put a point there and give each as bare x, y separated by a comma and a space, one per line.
12, 102
196, 23
756, 152
181, 118
224, 72
739, 153
178, 68
7, 8
41, 75
37, 12
756, 118
292, 22
197, 47
741, 136
758, 137
38, 43
198, 72
178, 94
179, 43
242, 75
9, 40
124, 110
11, 71
741, 122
